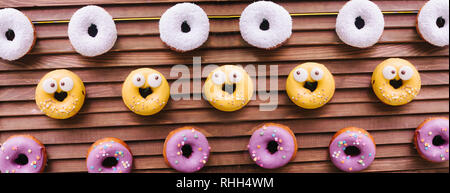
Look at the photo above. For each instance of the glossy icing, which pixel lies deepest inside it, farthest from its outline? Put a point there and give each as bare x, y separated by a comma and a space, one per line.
107, 148
358, 138
27, 146
424, 136
185, 137
265, 134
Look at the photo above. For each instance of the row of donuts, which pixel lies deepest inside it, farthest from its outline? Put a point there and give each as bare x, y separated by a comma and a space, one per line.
187, 149
185, 27
60, 94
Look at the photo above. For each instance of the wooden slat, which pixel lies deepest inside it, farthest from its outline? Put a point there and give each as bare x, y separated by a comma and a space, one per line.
220, 56
233, 7
213, 115
437, 170
131, 43
379, 165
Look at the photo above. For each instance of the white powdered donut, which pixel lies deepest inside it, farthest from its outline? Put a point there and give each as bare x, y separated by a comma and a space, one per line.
92, 31
184, 27
360, 23
265, 24
432, 22
16, 34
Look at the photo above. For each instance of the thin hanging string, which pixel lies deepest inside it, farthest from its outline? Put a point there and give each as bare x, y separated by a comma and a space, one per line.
224, 16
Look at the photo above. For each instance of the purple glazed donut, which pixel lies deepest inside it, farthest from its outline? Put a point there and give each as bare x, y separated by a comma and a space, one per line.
186, 150
431, 139
22, 154
272, 145
109, 155
352, 149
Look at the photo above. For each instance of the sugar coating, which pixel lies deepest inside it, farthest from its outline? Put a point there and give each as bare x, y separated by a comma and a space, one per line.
79, 37
280, 24
172, 20
426, 22
366, 36
13, 19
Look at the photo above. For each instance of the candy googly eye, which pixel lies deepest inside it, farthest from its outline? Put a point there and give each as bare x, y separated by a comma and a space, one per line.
406, 73
316, 74
50, 85
218, 77
66, 84
389, 72
300, 75
138, 80
154, 80
235, 76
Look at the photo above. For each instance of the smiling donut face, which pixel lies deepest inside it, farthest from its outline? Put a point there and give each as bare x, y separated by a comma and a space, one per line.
228, 88
310, 85
396, 81
60, 94
145, 91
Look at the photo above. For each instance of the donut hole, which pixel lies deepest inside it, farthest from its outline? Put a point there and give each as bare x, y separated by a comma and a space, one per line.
396, 83
264, 26
92, 30
229, 88
185, 27
312, 86
60, 96
438, 140
10, 35
21, 159
352, 151
272, 147
359, 22
186, 150
145, 92
109, 162
440, 22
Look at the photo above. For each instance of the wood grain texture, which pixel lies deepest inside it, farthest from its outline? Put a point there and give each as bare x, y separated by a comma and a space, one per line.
138, 45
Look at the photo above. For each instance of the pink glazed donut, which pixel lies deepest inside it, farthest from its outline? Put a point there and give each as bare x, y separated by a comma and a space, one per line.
186, 150
272, 145
109, 155
352, 149
22, 154
431, 139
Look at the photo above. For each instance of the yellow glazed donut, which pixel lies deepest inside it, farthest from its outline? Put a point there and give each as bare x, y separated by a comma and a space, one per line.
310, 85
228, 88
60, 94
145, 91
396, 81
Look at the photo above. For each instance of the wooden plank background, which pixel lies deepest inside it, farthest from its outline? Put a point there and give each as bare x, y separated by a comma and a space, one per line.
138, 45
